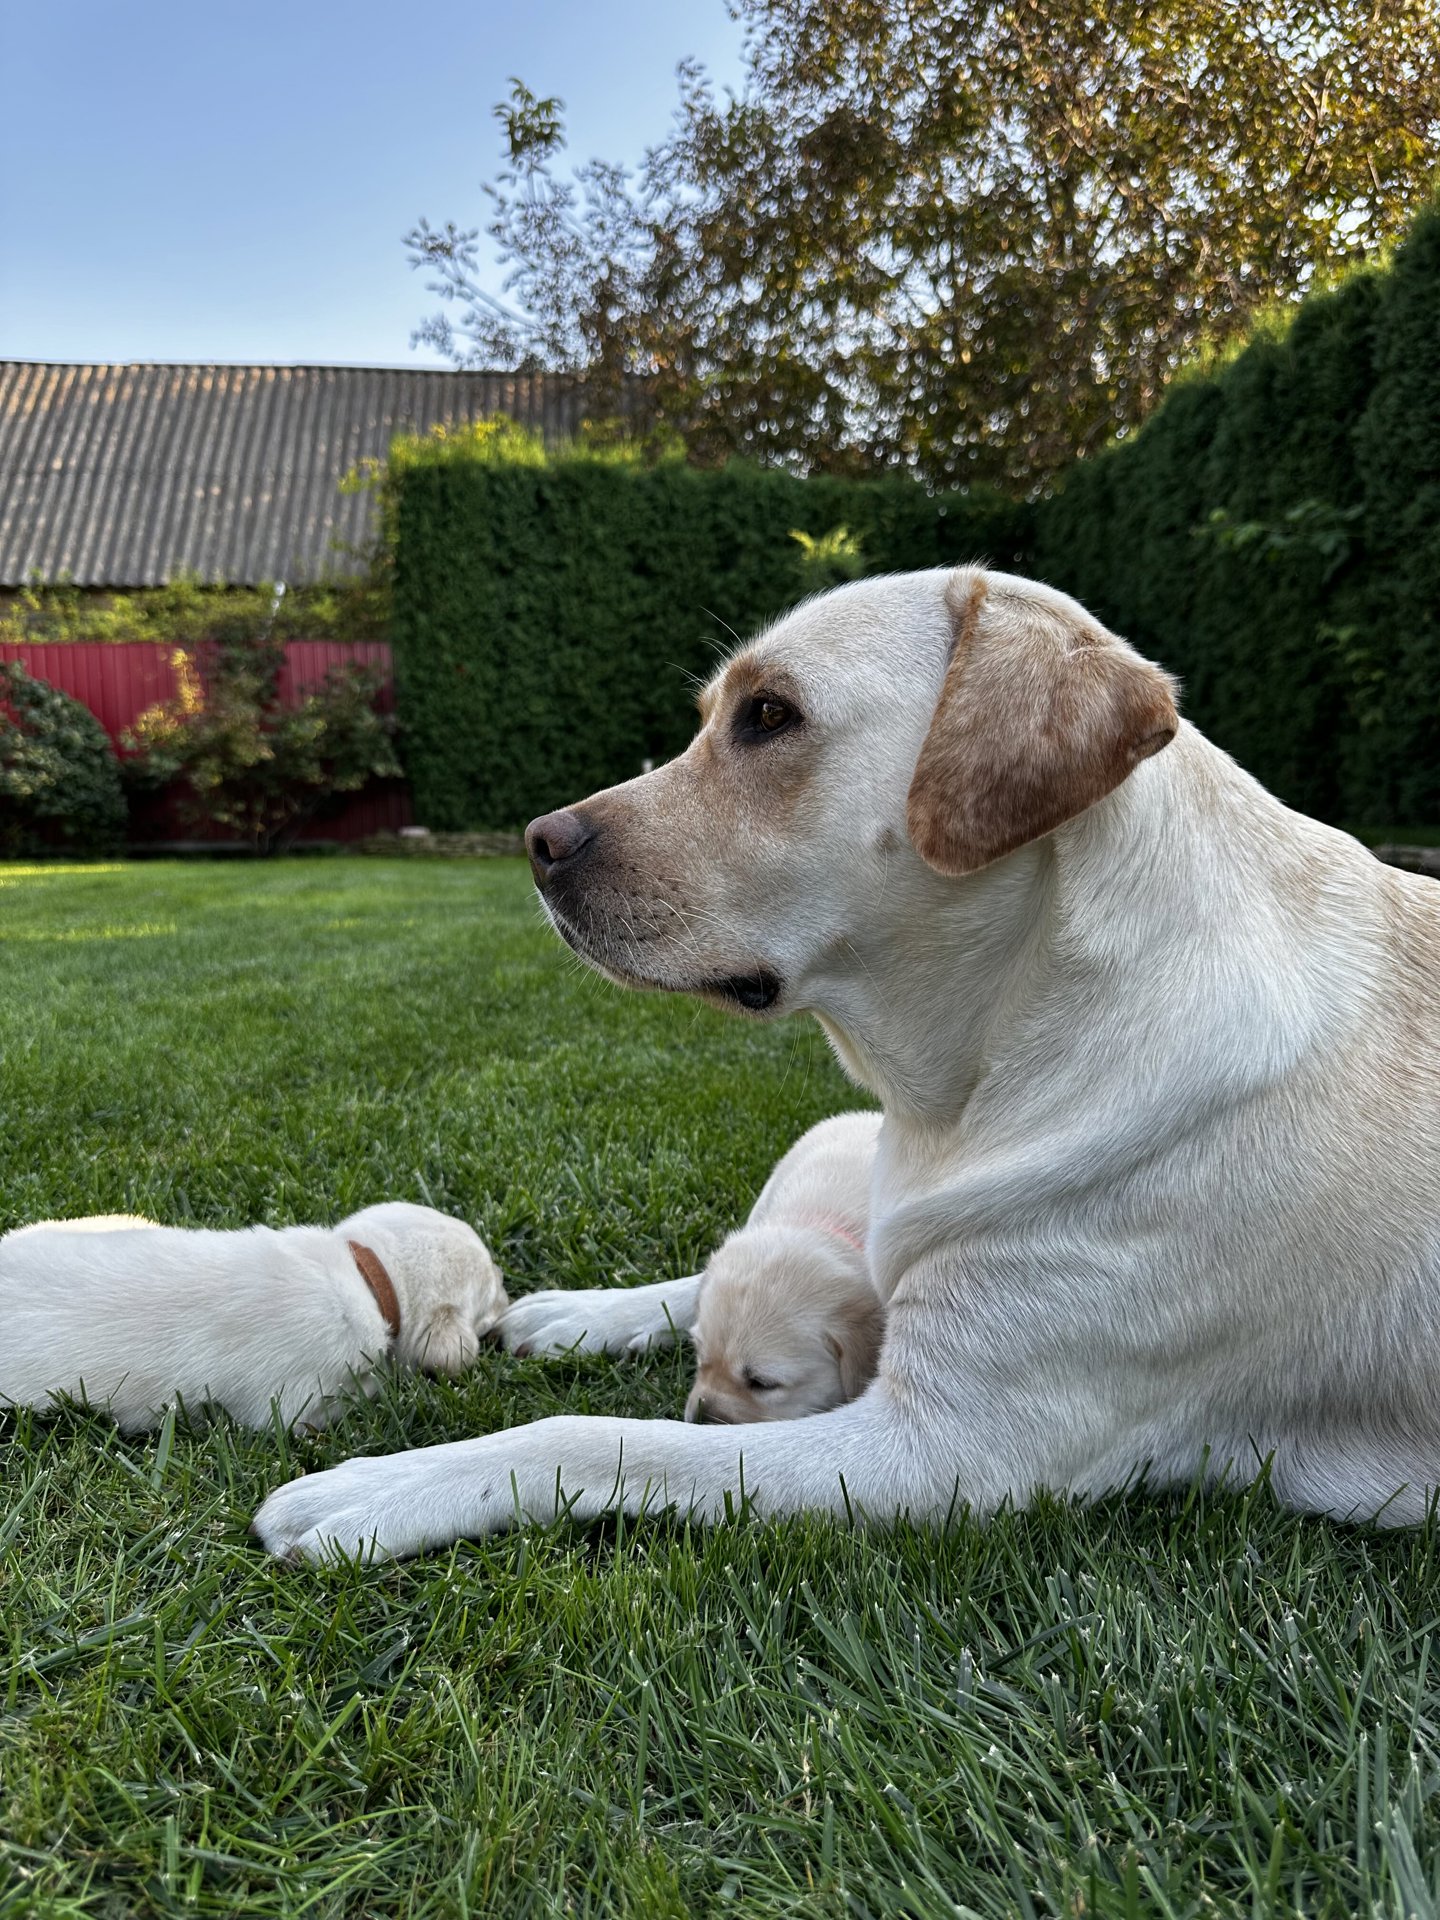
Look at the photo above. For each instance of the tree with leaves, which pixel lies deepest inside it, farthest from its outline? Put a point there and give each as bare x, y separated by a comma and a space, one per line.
970, 236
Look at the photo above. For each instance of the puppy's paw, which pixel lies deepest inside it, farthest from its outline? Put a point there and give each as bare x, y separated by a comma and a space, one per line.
652, 1341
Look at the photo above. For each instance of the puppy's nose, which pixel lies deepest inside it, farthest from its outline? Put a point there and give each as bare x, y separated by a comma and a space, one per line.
700, 1410
554, 839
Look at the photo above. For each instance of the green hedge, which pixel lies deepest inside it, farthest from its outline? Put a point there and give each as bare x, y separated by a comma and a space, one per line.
552, 616
1273, 535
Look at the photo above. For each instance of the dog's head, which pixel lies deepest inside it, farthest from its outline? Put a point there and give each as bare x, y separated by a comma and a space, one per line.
786, 1326
855, 765
448, 1288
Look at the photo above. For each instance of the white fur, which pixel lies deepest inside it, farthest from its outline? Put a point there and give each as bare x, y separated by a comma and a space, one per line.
603, 1319
131, 1316
1156, 1191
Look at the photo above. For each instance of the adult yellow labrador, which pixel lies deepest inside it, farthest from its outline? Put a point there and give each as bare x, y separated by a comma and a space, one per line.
1156, 1189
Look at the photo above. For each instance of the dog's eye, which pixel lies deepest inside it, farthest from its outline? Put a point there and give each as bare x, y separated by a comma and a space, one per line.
764, 716
758, 1385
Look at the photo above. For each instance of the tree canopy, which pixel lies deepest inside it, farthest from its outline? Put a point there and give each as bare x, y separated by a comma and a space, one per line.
974, 237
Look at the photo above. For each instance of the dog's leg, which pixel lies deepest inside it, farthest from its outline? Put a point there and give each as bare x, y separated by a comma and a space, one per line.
865, 1459
601, 1319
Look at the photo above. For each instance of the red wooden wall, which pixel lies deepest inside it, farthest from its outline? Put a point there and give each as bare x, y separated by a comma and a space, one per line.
119, 681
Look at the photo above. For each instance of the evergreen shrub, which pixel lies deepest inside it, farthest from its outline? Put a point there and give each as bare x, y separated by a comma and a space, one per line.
188, 613
1272, 535
554, 614
59, 777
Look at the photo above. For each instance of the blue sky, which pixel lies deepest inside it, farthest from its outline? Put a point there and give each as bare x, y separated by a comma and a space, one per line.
212, 181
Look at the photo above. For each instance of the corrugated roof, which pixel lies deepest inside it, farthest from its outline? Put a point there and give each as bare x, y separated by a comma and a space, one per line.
124, 476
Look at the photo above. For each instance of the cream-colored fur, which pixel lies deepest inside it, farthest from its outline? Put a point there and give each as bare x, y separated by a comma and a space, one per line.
1158, 1188
785, 1301
788, 1323
131, 1316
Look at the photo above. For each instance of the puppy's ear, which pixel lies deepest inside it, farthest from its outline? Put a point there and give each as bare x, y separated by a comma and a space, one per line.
856, 1342
1041, 714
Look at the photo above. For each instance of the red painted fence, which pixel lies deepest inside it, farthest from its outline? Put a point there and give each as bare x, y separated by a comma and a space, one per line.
119, 681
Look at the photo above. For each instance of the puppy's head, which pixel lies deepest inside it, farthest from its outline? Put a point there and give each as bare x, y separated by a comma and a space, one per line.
786, 1326
885, 738
448, 1287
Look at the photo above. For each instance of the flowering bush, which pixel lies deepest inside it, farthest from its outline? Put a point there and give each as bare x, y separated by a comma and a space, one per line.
242, 759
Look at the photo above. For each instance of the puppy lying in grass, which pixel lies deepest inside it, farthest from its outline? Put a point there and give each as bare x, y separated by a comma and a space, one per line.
784, 1318
787, 1322
133, 1317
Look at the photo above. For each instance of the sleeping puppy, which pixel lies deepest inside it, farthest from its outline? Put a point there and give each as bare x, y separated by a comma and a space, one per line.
134, 1317
787, 1322
788, 1325
784, 1318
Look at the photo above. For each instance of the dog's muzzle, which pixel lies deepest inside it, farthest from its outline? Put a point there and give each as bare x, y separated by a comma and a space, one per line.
562, 847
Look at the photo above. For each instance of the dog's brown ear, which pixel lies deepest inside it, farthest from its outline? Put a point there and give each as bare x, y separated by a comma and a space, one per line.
856, 1343
1041, 714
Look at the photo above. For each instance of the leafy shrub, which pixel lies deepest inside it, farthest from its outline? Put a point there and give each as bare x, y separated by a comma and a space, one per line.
829, 559
1273, 535
242, 759
185, 612
552, 613
1398, 460
59, 777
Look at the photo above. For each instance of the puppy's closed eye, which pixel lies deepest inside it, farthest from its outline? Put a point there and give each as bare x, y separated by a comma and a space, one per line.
758, 1383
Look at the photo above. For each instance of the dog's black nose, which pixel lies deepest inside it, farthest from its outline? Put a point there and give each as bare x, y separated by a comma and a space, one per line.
554, 839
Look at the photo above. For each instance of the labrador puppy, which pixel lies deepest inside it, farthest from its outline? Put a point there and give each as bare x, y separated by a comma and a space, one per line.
787, 1325
784, 1318
1156, 1190
133, 1317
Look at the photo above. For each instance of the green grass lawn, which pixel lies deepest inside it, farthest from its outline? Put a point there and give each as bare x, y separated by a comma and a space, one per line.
1180, 1706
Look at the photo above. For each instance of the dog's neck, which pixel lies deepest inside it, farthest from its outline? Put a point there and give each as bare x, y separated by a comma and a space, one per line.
913, 1019
1095, 957
842, 1230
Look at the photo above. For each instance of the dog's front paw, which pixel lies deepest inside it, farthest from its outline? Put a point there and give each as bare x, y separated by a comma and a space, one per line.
396, 1504
358, 1510
592, 1320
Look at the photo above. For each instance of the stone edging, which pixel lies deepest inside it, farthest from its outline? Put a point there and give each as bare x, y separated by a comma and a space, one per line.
1413, 859
441, 846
